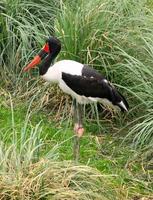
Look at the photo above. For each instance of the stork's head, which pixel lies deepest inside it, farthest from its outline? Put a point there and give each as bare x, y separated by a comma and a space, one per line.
51, 48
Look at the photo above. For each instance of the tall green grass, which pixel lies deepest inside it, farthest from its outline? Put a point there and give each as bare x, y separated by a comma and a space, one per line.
24, 26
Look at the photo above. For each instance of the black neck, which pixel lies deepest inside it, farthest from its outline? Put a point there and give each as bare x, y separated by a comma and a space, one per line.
43, 68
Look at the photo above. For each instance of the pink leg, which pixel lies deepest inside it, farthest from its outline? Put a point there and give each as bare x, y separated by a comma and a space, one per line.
78, 129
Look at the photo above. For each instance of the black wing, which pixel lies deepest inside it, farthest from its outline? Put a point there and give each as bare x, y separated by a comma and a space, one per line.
90, 72
93, 84
88, 86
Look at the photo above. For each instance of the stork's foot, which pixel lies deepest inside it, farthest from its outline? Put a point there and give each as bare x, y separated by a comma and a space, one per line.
79, 130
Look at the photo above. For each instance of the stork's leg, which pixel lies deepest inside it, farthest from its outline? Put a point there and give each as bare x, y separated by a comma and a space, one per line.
78, 128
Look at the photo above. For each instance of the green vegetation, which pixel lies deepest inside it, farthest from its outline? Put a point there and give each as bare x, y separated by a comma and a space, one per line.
115, 37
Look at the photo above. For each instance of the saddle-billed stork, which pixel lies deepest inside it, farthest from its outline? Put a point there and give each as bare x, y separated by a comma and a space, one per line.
83, 83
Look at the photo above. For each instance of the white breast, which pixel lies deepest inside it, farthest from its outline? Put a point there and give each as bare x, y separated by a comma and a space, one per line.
54, 73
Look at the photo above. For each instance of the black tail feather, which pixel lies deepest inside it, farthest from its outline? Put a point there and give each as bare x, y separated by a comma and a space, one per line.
124, 101
119, 100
